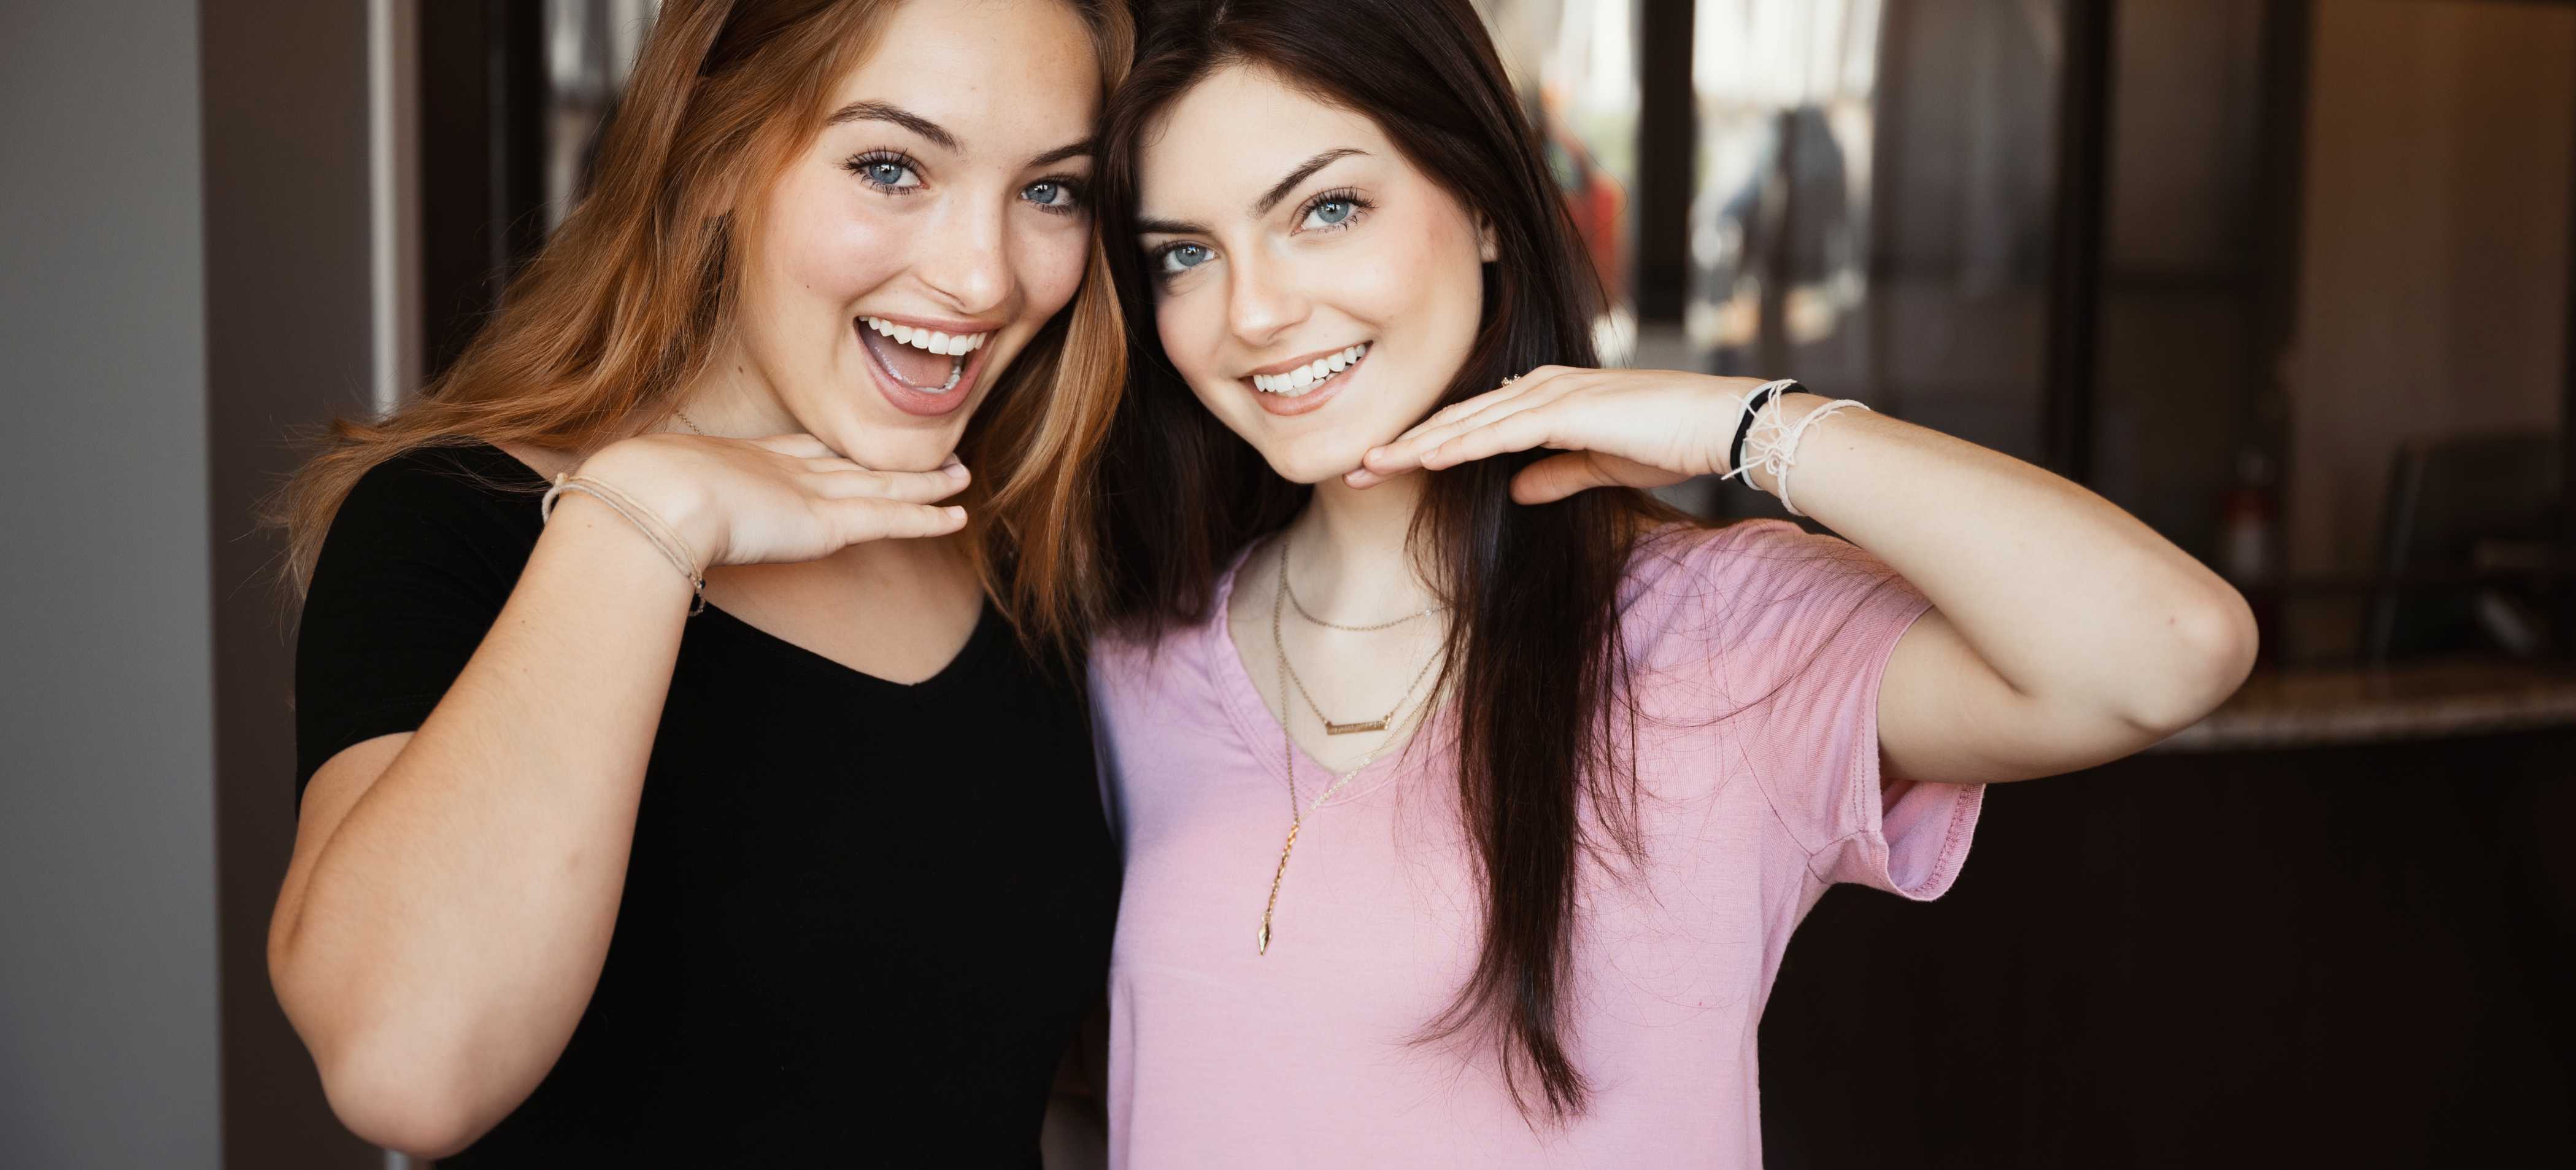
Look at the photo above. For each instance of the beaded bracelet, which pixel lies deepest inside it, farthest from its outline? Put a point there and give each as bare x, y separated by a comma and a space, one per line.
663, 539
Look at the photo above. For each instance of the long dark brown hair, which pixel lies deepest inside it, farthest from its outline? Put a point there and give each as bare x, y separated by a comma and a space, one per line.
1533, 663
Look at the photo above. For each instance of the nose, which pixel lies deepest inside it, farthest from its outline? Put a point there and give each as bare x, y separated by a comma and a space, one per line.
966, 258
1261, 302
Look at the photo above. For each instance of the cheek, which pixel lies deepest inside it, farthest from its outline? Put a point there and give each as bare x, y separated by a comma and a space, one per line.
1445, 274
1189, 327
1052, 260
834, 253
826, 241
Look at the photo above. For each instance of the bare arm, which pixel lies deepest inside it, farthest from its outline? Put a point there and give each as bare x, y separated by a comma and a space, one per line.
451, 893
2064, 632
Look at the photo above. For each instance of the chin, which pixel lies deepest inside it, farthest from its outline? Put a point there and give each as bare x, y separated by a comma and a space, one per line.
1313, 463
880, 447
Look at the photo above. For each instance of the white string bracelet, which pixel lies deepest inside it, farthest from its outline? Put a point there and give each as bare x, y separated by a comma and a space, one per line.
659, 534
1761, 407
1772, 445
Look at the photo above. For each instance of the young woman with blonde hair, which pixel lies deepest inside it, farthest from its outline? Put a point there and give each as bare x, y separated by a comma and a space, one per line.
735, 810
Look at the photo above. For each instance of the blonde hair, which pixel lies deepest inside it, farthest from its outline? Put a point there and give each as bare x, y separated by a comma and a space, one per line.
622, 307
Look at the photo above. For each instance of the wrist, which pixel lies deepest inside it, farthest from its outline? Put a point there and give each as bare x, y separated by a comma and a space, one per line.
645, 470
1750, 402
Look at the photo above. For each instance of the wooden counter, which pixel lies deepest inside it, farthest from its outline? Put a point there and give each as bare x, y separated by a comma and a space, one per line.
2300, 708
2350, 946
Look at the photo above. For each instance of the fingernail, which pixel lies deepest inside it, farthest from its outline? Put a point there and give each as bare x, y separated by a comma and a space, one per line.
955, 512
955, 469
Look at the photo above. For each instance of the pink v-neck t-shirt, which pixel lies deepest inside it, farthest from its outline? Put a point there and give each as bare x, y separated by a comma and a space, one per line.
1759, 650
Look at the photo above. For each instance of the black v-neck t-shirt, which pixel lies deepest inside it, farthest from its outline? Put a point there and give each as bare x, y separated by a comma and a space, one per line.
861, 919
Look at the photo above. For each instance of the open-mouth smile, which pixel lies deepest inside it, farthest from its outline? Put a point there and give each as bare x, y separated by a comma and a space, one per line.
924, 369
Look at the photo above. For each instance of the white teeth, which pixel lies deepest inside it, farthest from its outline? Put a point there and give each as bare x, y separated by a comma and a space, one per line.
1303, 378
932, 341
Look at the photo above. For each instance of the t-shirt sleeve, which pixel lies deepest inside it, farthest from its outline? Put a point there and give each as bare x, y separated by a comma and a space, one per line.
417, 565
1798, 630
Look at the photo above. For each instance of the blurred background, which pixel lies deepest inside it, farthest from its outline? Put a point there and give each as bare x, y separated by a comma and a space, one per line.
2289, 279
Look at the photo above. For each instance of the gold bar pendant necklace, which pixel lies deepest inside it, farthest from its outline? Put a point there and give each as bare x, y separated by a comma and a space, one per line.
1287, 741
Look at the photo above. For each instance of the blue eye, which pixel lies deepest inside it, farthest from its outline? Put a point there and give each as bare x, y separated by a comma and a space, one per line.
885, 172
1180, 258
1331, 213
1055, 195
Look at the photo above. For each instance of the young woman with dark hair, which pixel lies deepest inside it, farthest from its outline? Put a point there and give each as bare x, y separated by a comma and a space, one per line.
1468, 797
582, 879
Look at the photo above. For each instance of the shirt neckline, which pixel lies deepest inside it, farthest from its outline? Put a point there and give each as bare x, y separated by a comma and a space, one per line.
986, 616
1262, 732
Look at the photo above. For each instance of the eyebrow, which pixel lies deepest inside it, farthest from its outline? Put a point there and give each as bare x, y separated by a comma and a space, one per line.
1260, 207
1280, 190
881, 112
1066, 151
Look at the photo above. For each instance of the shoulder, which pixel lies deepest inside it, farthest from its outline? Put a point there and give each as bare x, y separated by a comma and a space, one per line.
1128, 667
1756, 581
446, 484
1139, 654
446, 511
1763, 558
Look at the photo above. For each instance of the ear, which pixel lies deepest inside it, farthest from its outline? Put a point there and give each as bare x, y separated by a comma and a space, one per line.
1486, 249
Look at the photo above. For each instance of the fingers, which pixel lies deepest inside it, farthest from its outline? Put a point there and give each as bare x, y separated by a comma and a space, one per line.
1521, 429
864, 518
1516, 432
849, 480
1442, 446
1558, 476
1540, 387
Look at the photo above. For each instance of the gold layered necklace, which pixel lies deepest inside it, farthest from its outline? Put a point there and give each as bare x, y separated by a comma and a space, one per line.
1287, 741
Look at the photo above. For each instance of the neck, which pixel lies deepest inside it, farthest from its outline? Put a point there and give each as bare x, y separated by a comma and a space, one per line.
1349, 558
731, 400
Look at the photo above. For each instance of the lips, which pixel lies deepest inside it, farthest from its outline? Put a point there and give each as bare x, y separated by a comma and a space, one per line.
921, 369
1306, 384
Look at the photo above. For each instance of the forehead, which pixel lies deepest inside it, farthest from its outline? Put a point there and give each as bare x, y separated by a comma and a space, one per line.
1234, 134
1009, 74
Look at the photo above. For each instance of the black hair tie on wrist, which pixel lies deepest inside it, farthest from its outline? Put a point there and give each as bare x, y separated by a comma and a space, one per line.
1753, 408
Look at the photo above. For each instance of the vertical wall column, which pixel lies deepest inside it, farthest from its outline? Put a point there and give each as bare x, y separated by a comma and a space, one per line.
291, 288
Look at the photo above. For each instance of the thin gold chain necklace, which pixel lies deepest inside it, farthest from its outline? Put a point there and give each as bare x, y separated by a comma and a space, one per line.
1288, 742
1280, 645
1300, 607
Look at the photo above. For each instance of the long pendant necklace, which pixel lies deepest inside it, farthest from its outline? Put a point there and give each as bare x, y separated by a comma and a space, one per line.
1288, 743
